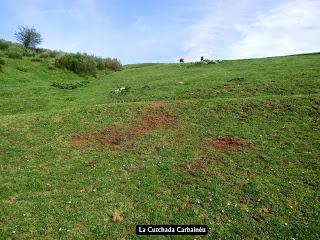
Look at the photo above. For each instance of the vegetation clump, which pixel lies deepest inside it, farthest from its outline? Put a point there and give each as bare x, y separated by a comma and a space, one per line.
4, 45
69, 86
29, 52
84, 64
78, 63
22, 69
108, 63
2, 62
46, 53
15, 51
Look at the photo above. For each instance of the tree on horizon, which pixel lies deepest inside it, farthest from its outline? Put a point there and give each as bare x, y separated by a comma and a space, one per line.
28, 37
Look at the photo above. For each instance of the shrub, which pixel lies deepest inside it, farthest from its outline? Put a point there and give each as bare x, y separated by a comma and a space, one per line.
114, 64
15, 51
108, 63
53, 54
81, 64
69, 86
22, 69
51, 66
39, 50
44, 55
100, 63
29, 52
2, 62
84, 64
4, 45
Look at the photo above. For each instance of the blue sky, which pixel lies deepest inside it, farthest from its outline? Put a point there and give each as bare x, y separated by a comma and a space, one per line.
165, 30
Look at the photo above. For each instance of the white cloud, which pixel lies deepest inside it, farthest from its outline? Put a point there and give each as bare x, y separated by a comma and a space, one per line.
213, 30
230, 29
292, 27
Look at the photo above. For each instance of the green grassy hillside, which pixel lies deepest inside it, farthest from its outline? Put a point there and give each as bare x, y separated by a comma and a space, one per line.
232, 145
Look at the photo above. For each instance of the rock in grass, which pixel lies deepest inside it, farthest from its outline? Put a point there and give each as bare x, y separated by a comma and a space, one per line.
120, 90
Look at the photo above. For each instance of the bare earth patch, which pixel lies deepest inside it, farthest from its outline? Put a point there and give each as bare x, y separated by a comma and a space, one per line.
116, 136
227, 144
201, 166
153, 120
157, 105
91, 164
194, 168
116, 217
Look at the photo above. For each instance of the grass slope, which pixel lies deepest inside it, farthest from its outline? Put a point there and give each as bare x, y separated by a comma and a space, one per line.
54, 185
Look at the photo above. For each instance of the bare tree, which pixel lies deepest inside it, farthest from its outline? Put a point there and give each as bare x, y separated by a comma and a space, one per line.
28, 37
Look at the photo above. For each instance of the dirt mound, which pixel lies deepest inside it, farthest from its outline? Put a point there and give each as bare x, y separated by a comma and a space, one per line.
116, 136
227, 144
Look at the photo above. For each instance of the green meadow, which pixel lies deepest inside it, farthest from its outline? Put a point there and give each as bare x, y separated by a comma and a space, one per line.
233, 145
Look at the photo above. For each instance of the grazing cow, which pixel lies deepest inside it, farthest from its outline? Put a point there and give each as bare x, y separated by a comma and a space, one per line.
208, 61
181, 60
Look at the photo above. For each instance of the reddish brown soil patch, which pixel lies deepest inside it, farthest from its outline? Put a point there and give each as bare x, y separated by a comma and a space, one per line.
116, 217
247, 108
248, 174
286, 108
157, 105
196, 167
293, 203
153, 120
273, 106
227, 144
91, 164
264, 210
116, 136
168, 191
108, 137
157, 148
201, 166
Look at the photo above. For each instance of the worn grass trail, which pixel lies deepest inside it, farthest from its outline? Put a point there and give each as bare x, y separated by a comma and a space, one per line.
242, 159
